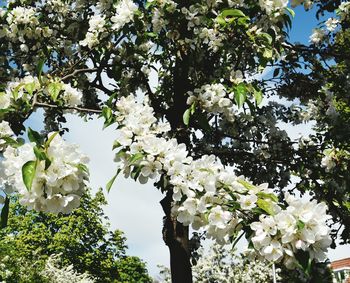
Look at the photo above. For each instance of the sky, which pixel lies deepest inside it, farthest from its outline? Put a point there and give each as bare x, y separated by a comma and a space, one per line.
132, 207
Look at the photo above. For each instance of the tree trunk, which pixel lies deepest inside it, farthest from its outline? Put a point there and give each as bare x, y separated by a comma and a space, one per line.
175, 236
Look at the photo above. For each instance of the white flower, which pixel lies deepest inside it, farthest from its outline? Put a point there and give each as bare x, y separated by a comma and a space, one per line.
271, 6
273, 252
125, 12
317, 36
328, 161
247, 202
213, 98
331, 24
96, 28
5, 100
219, 218
71, 95
57, 188
5, 131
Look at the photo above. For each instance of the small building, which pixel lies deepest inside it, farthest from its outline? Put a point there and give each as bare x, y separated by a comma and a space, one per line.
341, 270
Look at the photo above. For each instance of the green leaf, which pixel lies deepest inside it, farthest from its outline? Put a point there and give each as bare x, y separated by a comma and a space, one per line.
193, 108
270, 196
186, 116
135, 157
266, 205
12, 142
266, 37
246, 184
30, 88
268, 53
258, 96
39, 69
151, 34
110, 183
221, 21
347, 205
39, 153
109, 117
5, 213
136, 172
240, 94
300, 225
28, 173
54, 89
49, 140
148, 4
35, 137
83, 168
291, 12
116, 144
235, 13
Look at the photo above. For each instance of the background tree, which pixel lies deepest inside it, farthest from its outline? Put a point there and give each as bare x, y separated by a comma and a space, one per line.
82, 239
316, 79
221, 264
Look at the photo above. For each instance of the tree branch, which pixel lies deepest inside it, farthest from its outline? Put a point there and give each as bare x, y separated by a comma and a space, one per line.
77, 71
79, 109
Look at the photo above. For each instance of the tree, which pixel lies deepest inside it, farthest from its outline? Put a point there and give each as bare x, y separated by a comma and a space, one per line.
203, 116
82, 239
219, 264
323, 91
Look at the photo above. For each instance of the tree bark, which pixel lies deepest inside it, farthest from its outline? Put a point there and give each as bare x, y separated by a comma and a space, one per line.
175, 236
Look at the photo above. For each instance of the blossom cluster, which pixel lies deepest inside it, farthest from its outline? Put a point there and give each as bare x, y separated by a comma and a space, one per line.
213, 98
18, 89
273, 6
208, 25
56, 273
320, 34
22, 24
329, 159
222, 264
301, 226
124, 14
57, 179
5, 132
24, 88
207, 194
96, 27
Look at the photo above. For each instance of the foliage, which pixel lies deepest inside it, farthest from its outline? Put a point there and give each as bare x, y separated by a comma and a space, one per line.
82, 239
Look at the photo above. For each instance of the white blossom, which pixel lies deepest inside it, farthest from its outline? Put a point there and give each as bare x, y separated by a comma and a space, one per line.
203, 188
331, 24
5, 131
317, 36
58, 187
125, 11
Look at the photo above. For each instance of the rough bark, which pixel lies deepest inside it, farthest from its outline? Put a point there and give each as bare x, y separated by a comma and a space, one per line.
175, 236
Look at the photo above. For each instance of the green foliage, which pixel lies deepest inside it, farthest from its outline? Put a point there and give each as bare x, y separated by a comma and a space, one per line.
82, 237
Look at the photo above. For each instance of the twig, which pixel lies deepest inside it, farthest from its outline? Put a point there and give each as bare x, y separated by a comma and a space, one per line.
77, 71
79, 109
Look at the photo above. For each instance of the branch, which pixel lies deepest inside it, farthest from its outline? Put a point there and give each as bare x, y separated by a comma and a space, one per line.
77, 71
79, 109
315, 51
